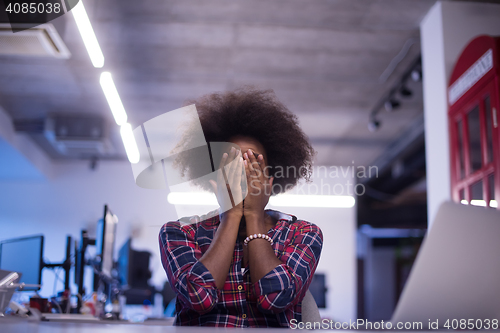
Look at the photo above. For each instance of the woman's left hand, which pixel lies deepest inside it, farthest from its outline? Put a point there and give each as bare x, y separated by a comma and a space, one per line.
259, 185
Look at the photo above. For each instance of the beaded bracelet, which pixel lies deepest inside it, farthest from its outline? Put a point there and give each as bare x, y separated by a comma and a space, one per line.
255, 236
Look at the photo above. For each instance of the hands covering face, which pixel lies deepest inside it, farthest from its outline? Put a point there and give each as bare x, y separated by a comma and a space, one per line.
229, 189
242, 178
259, 184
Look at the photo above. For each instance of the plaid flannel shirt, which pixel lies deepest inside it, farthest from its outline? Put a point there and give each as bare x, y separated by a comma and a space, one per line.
273, 301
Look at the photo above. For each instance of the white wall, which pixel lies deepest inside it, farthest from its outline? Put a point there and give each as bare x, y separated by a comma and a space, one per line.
445, 31
74, 198
338, 257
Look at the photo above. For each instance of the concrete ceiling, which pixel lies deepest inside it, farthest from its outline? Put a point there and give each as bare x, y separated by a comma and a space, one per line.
322, 58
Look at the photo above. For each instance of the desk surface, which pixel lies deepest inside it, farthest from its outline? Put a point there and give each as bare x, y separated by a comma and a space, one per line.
24, 326
14, 325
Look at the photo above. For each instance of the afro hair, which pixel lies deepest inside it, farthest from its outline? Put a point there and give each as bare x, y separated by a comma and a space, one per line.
258, 114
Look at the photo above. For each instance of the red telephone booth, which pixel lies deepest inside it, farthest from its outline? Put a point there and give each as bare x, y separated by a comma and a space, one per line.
473, 116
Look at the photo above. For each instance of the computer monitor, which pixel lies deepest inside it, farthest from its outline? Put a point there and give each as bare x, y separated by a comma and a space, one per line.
124, 258
134, 273
24, 255
105, 241
318, 289
133, 267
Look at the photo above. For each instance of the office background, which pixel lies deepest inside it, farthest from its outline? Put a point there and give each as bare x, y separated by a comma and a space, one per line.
325, 61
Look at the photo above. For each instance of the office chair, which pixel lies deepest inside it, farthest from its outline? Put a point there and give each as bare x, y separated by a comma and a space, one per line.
310, 311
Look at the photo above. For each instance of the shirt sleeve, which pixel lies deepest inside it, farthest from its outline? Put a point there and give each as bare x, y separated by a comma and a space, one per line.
287, 283
189, 278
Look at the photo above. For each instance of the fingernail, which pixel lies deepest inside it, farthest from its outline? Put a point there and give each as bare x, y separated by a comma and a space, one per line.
232, 149
261, 157
224, 155
250, 152
245, 155
245, 161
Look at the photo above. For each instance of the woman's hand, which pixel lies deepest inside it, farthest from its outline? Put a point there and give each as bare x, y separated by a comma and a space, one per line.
228, 186
259, 185
217, 259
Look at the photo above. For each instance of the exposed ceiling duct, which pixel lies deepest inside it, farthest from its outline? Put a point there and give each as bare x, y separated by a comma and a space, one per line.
40, 41
72, 136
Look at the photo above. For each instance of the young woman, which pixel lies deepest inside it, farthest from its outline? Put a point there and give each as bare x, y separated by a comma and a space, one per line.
247, 266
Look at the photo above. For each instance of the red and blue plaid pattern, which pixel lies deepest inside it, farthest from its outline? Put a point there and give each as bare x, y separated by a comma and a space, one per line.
273, 301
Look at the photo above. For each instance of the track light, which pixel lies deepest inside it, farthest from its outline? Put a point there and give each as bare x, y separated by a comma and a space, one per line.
373, 125
416, 75
405, 92
392, 99
391, 105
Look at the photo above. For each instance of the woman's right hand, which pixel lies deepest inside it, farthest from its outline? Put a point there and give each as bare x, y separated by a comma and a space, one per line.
217, 258
228, 186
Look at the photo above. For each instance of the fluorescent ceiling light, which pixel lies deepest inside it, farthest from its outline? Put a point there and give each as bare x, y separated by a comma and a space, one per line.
323, 201
285, 200
192, 198
129, 143
88, 35
114, 101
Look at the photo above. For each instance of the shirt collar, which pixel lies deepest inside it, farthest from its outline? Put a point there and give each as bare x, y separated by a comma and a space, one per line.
277, 215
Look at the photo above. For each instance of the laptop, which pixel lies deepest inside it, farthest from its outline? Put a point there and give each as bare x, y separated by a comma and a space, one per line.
456, 274
7, 278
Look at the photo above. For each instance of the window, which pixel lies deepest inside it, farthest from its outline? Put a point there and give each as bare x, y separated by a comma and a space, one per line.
474, 149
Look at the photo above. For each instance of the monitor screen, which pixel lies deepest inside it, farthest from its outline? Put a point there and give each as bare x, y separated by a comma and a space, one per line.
105, 241
318, 290
24, 255
124, 262
133, 267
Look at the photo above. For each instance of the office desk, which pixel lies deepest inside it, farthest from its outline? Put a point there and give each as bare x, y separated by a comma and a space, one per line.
24, 326
19, 325
14, 325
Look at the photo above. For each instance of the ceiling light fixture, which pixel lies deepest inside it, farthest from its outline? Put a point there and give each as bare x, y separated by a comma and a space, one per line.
405, 92
391, 105
114, 101
318, 201
192, 198
416, 75
88, 35
400, 87
129, 142
283, 200
374, 125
